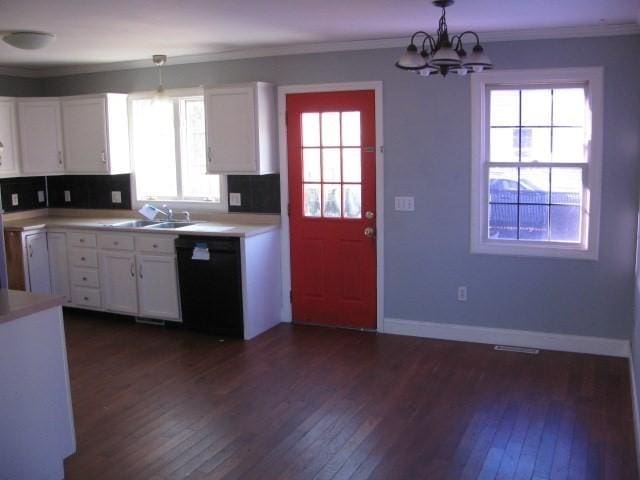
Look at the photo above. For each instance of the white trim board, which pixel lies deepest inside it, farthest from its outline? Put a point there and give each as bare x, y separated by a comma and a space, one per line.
500, 336
283, 91
635, 406
322, 47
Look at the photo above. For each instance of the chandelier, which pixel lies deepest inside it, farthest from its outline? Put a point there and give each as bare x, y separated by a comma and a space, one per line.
441, 54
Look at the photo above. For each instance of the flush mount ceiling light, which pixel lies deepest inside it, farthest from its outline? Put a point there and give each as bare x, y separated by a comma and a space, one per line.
28, 40
160, 96
441, 54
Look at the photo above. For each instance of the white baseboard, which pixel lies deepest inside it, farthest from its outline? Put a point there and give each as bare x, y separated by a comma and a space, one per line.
635, 406
500, 336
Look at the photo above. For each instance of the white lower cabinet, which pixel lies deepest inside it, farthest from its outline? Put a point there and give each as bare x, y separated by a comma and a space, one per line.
38, 262
158, 287
138, 275
58, 264
118, 271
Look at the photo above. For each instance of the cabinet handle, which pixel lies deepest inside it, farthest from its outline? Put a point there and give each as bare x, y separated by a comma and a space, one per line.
1, 151
84, 279
82, 240
115, 243
60, 157
82, 258
140, 271
86, 299
103, 157
209, 154
155, 245
30, 251
133, 269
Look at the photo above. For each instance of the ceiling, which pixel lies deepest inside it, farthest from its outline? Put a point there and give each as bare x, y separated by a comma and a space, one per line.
93, 32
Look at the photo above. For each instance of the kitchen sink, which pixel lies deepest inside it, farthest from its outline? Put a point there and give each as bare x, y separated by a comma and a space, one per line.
135, 224
171, 224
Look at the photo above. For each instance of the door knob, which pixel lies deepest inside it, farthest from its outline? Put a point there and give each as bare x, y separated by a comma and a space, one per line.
370, 232
369, 215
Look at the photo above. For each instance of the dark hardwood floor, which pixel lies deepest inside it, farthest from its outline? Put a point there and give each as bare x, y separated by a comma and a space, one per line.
317, 403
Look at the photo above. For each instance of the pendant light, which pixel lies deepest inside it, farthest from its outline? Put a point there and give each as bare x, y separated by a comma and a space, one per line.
442, 55
160, 96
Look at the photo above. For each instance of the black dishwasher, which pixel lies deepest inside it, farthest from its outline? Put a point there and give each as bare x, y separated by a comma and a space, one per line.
210, 284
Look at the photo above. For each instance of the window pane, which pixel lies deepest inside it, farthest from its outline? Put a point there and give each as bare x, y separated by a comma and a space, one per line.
311, 164
536, 108
565, 223
153, 143
535, 145
566, 186
569, 107
533, 222
569, 145
330, 129
312, 200
503, 221
503, 185
351, 160
534, 185
352, 201
310, 129
196, 184
351, 129
331, 200
330, 164
505, 108
503, 145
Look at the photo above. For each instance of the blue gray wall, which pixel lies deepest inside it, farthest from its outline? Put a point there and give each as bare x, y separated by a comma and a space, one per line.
427, 154
21, 87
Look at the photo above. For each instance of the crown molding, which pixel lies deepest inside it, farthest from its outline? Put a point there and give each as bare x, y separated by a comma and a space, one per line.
301, 49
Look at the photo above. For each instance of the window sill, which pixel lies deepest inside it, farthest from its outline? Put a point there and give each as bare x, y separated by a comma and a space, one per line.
533, 249
191, 205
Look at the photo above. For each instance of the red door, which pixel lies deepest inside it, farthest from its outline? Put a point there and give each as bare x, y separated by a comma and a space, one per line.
332, 168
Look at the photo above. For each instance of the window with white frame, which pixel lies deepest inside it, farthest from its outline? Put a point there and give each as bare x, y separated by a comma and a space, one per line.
536, 162
168, 148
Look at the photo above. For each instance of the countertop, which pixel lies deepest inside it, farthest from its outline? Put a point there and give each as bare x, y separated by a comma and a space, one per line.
205, 228
16, 304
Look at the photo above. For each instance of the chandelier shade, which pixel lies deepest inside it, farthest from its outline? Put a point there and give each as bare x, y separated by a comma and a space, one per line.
441, 54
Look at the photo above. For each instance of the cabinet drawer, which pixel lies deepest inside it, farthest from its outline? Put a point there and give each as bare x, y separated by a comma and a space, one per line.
115, 241
83, 257
85, 277
155, 243
81, 239
88, 297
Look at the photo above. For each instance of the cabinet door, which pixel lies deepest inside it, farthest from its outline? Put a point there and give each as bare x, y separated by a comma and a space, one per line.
230, 130
118, 271
58, 265
8, 138
40, 136
158, 287
84, 123
38, 262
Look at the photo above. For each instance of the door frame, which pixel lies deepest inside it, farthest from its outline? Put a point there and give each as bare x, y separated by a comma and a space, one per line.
285, 245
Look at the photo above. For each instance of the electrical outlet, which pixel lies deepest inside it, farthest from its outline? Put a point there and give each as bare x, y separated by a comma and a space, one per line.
405, 204
235, 199
116, 196
40, 196
462, 294
14, 199
67, 195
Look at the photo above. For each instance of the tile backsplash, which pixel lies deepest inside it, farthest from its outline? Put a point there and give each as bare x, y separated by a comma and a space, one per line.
258, 193
89, 191
24, 192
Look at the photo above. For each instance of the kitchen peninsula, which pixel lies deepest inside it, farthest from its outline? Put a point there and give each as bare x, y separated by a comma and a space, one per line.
36, 419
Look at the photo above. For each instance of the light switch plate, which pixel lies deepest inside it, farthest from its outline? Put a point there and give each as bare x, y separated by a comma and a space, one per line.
67, 195
116, 196
405, 204
40, 196
14, 199
235, 199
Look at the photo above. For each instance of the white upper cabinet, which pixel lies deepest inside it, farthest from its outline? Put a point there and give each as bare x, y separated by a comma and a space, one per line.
241, 129
40, 132
8, 138
95, 130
